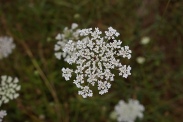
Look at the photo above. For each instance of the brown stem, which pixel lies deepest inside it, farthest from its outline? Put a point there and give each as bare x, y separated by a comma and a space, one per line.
38, 68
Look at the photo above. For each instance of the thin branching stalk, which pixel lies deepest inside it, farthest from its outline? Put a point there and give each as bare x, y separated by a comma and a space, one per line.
40, 71
166, 7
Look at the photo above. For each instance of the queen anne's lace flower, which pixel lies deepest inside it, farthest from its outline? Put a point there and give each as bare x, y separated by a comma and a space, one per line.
2, 115
8, 89
128, 112
6, 46
68, 34
95, 56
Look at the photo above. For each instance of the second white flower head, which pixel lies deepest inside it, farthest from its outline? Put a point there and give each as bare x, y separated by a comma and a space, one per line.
128, 112
6, 46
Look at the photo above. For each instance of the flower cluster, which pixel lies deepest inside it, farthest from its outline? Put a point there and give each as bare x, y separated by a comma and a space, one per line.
95, 55
8, 89
6, 46
2, 115
63, 38
128, 112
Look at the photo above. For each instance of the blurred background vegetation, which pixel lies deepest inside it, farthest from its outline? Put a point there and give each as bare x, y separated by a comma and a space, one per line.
46, 97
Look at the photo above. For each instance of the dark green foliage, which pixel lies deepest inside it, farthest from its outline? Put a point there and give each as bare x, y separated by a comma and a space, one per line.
157, 83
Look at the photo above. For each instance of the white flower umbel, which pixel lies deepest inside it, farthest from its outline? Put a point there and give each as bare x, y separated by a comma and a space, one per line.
2, 114
68, 34
128, 112
8, 89
6, 46
95, 56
